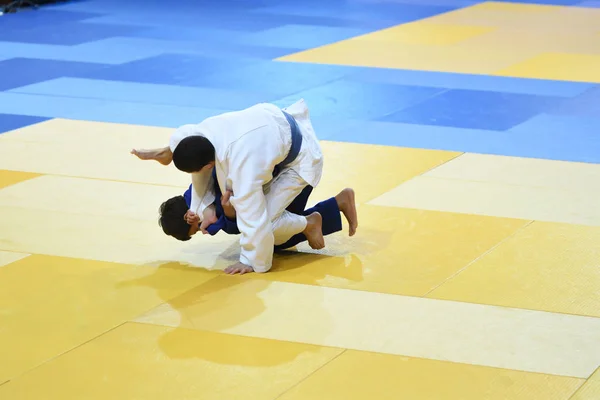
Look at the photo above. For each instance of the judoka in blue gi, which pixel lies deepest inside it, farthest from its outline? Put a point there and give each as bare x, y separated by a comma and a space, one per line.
221, 215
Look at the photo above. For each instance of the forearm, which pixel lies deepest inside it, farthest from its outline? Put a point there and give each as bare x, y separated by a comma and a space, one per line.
163, 155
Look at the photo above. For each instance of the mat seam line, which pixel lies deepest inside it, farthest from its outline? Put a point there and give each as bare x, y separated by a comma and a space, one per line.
583, 383
478, 258
309, 375
64, 353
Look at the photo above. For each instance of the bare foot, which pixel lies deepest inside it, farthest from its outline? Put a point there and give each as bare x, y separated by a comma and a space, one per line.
347, 205
314, 232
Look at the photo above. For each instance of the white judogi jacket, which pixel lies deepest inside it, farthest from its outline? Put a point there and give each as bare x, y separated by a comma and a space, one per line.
248, 145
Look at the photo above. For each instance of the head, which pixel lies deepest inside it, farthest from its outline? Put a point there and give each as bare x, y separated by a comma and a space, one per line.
193, 154
172, 220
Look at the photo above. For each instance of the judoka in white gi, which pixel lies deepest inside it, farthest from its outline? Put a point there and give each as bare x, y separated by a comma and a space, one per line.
248, 148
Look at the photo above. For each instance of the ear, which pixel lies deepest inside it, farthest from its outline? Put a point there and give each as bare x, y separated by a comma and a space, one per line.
208, 166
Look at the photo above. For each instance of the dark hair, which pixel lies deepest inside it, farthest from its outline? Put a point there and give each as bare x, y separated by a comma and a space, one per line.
171, 219
193, 153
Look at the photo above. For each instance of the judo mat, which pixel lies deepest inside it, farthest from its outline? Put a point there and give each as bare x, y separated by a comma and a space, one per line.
469, 130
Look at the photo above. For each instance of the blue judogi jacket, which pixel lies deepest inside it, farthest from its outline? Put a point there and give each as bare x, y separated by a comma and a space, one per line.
223, 223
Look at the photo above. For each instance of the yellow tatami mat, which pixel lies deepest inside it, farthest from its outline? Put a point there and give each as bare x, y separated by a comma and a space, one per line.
468, 333
508, 187
471, 277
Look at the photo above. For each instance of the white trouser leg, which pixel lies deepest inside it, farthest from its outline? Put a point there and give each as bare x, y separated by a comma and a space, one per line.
279, 194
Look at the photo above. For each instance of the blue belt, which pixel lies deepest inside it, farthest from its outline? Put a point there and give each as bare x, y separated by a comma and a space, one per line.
294, 148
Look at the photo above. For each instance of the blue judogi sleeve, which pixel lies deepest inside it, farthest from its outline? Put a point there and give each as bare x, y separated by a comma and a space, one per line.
223, 223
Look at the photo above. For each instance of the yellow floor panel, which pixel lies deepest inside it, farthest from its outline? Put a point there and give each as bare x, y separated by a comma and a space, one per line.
590, 389
558, 66
521, 171
469, 333
422, 33
7, 257
509, 187
551, 267
533, 17
451, 58
398, 251
107, 238
359, 376
536, 42
100, 154
394, 165
142, 362
528, 9
51, 304
8, 178
486, 38
93, 197
493, 199
83, 133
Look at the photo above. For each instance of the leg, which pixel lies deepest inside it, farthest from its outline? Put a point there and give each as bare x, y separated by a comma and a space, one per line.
332, 222
298, 205
280, 194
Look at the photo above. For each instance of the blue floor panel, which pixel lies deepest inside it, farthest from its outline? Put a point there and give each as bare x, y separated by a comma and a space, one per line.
396, 12
214, 48
43, 17
9, 122
301, 36
48, 106
150, 93
69, 33
586, 104
345, 99
492, 83
153, 63
150, 114
172, 69
90, 52
590, 4
190, 34
475, 110
534, 141
25, 71
277, 78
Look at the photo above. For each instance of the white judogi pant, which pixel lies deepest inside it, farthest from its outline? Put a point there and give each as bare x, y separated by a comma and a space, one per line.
280, 193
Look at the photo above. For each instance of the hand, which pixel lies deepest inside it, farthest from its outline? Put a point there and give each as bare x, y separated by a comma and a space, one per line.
191, 218
238, 268
227, 206
206, 222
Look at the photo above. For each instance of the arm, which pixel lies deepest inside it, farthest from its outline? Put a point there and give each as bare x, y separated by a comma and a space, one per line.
250, 167
162, 155
254, 224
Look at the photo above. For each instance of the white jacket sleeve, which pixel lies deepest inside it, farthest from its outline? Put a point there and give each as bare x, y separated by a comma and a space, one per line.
248, 173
